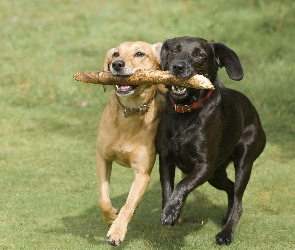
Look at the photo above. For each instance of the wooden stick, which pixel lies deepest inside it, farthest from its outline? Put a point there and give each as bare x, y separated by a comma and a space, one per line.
152, 77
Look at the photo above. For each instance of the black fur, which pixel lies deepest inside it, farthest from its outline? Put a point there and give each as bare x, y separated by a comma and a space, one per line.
225, 128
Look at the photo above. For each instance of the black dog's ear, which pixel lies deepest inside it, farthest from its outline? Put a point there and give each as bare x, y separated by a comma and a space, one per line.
229, 59
164, 54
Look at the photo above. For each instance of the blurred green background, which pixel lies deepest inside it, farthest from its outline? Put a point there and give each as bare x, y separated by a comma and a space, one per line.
48, 121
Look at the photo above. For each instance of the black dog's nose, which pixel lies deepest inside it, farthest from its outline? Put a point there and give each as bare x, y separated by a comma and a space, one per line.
178, 67
118, 65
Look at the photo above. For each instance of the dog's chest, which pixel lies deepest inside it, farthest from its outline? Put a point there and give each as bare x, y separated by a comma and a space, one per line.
181, 139
123, 142
121, 147
182, 147
120, 155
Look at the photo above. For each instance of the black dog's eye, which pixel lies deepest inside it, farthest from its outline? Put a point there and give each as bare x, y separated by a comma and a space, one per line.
139, 54
116, 54
176, 49
199, 55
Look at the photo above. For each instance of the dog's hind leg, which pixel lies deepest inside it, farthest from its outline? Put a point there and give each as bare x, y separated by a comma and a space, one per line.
243, 162
242, 176
246, 152
104, 168
220, 181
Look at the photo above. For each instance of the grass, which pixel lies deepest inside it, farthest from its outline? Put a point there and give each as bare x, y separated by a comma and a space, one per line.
48, 122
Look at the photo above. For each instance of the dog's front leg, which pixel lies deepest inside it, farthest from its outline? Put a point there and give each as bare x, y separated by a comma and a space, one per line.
118, 229
167, 175
199, 175
104, 168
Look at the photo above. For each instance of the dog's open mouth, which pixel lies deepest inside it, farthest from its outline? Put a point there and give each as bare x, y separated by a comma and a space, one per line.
178, 90
125, 90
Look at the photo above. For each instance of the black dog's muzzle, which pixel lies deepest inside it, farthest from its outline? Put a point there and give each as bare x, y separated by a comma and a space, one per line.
181, 69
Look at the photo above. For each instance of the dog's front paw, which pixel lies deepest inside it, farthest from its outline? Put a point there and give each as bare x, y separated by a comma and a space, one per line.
224, 238
109, 216
170, 214
116, 234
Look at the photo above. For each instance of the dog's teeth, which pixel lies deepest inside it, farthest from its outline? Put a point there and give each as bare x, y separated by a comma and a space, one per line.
178, 90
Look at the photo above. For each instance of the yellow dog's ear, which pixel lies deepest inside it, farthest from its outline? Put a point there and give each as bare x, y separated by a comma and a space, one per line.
157, 50
108, 59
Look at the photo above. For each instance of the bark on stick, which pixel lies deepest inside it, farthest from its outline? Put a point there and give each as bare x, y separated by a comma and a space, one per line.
152, 77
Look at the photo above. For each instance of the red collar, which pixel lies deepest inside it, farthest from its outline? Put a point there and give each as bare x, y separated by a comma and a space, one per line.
179, 108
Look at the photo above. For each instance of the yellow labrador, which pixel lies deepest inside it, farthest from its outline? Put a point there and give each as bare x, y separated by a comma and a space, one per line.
127, 131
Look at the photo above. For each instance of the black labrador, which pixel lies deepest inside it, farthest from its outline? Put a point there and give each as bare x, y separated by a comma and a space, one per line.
202, 131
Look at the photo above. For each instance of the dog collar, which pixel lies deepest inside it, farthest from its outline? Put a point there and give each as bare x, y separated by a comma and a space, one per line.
180, 108
132, 111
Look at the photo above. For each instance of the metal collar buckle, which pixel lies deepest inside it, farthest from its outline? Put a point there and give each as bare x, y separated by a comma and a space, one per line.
182, 108
143, 109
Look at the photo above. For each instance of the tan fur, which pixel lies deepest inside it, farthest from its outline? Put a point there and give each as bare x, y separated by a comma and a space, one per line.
128, 141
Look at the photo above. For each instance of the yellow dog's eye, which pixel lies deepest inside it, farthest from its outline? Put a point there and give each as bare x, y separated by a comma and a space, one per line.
139, 54
116, 54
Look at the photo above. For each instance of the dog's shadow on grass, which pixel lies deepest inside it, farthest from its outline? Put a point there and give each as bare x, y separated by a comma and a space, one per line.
145, 225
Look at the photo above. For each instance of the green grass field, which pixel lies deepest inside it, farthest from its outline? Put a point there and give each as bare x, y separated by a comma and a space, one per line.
48, 122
